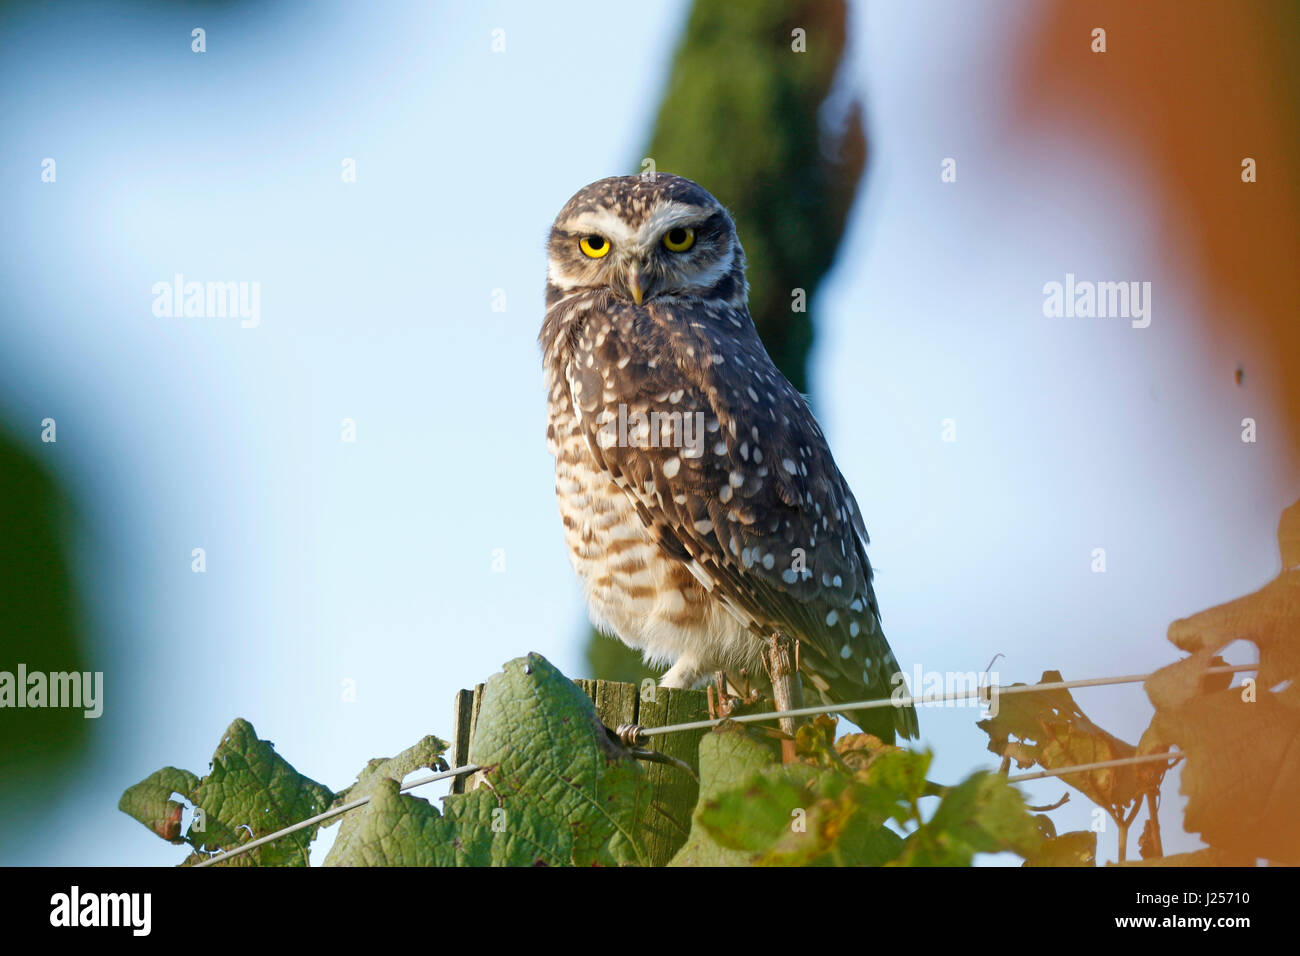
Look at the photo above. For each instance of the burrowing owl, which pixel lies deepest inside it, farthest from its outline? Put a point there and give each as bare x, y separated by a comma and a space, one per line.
701, 504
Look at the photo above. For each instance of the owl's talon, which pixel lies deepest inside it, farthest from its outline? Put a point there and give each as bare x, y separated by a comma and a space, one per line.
722, 703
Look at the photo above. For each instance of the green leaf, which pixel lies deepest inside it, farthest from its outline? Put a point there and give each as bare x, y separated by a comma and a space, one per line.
427, 754
377, 775
754, 810
728, 756
757, 813
895, 781
835, 832
557, 790
982, 814
249, 792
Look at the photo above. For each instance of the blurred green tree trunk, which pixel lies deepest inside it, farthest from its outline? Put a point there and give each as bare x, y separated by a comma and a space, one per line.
41, 625
748, 114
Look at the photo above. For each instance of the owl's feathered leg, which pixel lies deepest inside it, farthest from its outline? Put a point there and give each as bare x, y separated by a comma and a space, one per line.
685, 674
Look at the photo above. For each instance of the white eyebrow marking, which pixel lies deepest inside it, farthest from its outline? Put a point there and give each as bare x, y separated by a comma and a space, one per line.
666, 216
602, 222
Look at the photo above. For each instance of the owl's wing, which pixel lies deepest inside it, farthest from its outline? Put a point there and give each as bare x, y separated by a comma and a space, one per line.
732, 475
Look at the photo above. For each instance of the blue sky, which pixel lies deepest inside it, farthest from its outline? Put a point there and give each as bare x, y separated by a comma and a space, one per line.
372, 561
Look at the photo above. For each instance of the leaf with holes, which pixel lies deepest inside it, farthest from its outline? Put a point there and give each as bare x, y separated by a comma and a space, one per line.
1049, 728
150, 801
1242, 772
249, 792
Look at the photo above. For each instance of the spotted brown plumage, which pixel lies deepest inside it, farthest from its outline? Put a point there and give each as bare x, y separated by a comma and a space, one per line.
701, 504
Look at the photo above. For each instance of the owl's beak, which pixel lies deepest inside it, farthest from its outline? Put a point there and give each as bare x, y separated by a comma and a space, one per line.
635, 284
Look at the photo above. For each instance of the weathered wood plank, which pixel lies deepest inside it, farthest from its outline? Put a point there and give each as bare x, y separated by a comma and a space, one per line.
615, 701
464, 721
673, 792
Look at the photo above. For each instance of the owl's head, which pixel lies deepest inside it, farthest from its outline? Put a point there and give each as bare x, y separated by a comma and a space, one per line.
643, 237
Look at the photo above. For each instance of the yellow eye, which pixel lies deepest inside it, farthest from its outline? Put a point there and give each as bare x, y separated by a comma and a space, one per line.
679, 239
593, 247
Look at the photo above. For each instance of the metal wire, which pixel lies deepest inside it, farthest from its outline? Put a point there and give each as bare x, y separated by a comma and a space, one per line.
646, 732
1172, 755
979, 692
330, 813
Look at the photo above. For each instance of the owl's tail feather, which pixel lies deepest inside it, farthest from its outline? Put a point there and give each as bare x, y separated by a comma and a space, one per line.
887, 723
